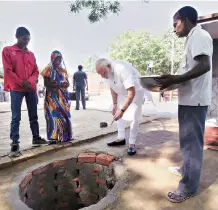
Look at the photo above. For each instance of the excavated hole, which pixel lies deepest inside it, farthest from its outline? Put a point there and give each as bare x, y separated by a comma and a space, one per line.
66, 184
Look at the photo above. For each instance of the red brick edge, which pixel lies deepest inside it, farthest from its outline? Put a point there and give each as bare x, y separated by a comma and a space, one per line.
210, 135
85, 157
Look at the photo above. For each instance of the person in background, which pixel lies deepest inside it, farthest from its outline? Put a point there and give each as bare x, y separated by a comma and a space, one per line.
128, 98
57, 105
194, 94
20, 75
80, 83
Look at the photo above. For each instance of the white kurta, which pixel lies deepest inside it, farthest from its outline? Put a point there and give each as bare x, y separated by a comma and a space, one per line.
124, 76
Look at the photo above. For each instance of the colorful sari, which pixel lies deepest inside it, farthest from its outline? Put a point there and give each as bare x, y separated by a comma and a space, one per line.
57, 105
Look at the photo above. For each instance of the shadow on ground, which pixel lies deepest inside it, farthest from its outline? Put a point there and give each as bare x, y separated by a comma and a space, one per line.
151, 181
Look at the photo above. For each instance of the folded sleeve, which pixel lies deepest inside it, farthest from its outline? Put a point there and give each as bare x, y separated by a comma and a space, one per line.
201, 45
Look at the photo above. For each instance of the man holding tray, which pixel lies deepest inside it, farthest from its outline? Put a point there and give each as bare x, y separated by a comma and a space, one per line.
194, 93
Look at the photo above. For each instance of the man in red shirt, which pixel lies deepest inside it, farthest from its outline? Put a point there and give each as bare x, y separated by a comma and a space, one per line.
20, 76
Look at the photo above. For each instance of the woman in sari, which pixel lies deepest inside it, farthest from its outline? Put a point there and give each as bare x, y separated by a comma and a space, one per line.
57, 105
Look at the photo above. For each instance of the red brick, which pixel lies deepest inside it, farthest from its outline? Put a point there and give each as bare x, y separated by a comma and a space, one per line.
105, 159
76, 179
98, 168
210, 137
86, 157
41, 170
78, 190
100, 181
26, 180
211, 130
24, 190
60, 163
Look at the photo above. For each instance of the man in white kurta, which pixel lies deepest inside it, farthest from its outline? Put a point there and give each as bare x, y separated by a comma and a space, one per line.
127, 95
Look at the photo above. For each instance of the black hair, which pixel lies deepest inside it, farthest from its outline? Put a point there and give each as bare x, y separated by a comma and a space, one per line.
22, 31
187, 12
80, 67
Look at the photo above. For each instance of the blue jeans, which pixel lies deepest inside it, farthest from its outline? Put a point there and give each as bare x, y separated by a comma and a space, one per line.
16, 102
191, 134
80, 91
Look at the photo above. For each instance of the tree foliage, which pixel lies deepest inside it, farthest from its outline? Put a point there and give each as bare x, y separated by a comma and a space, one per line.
89, 64
140, 47
99, 9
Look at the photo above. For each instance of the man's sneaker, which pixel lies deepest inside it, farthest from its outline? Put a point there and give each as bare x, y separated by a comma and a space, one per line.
38, 141
15, 150
131, 151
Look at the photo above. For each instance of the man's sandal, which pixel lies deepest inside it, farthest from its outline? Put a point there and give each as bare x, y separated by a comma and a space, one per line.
178, 197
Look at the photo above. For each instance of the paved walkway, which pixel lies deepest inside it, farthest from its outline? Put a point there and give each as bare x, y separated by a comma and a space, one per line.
149, 180
103, 102
86, 124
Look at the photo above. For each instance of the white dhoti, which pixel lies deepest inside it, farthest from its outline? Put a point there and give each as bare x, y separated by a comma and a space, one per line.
132, 114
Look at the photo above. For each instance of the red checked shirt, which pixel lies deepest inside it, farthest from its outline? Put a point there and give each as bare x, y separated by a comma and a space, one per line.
19, 66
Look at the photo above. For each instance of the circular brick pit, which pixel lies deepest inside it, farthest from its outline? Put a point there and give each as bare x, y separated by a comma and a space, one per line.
69, 184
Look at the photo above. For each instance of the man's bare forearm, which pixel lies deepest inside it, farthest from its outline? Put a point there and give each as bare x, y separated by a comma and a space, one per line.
114, 96
87, 84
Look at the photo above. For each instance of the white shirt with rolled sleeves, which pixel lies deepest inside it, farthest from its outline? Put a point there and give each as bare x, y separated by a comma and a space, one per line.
198, 91
124, 76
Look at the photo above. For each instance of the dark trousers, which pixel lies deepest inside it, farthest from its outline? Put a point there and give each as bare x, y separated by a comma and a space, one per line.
16, 102
191, 134
80, 91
